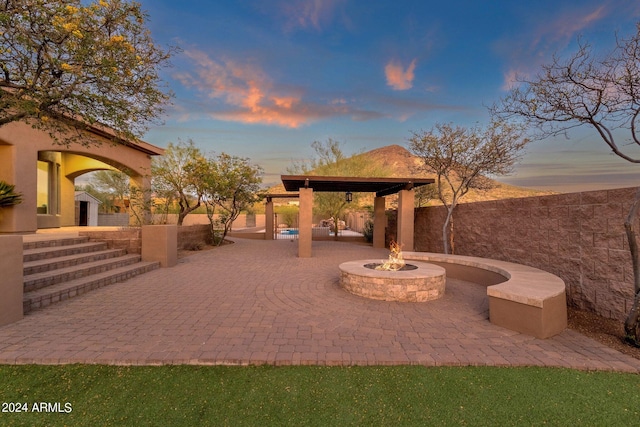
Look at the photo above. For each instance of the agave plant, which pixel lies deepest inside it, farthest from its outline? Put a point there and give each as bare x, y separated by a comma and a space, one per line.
8, 197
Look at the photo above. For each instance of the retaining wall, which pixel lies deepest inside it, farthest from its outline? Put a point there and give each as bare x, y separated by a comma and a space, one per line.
243, 220
130, 238
579, 237
191, 235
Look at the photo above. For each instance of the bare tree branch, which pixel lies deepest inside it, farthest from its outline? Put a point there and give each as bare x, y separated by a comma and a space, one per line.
462, 157
601, 93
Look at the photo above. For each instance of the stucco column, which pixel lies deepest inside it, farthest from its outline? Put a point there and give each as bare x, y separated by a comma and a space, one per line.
405, 219
18, 167
268, 219
68, 189
305, 223
11, 285
68, 201
160, 243
379, 222
9, 216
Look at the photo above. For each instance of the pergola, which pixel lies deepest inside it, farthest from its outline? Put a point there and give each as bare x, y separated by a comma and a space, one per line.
307, 184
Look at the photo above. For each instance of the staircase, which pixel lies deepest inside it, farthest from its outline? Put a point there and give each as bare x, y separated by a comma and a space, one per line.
58, 269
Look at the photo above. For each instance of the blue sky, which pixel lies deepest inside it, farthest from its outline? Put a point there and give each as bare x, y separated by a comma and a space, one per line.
265, 78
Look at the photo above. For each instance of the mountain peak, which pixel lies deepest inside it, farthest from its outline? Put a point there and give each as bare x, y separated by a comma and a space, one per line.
398, 162
397, 159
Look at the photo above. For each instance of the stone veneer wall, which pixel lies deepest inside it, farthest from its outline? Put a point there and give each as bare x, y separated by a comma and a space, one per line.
189, 235
128, 238
579, 237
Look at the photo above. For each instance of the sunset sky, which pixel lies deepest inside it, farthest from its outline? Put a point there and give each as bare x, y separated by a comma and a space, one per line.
265, 78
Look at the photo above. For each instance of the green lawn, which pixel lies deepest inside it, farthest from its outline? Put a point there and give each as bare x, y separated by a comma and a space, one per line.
320, 396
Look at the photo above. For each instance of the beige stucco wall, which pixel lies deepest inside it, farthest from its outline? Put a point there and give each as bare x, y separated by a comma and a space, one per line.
14, 170
160, 243
20, 148
11, 284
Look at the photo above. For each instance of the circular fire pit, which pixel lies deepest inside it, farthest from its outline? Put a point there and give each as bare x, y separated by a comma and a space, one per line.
426, 282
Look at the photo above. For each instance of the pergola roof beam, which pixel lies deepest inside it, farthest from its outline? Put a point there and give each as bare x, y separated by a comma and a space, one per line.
380, 186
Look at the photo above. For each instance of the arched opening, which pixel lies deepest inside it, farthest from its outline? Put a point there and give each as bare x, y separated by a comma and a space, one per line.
44, 173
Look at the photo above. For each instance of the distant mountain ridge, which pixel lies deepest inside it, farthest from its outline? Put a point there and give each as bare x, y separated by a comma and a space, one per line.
404, 164
399, 162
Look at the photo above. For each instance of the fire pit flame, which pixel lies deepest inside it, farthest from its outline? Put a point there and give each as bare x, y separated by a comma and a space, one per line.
395, 261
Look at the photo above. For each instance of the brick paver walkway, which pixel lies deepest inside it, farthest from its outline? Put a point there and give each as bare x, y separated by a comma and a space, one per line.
255, 302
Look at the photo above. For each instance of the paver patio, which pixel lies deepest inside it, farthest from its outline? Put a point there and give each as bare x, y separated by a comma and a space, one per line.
256, 302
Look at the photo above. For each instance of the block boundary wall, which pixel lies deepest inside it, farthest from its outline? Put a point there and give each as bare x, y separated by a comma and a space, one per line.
579, 237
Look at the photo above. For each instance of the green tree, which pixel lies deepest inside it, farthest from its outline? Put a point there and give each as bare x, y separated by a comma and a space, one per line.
424, 194
231, 185
330, 160
111, 185
67, 64
462, 157
288, 214
141, 205
178, 175
601, 92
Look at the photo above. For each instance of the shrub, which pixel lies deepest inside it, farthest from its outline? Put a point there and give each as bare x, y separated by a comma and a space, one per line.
367, 231
8, 197
194, 246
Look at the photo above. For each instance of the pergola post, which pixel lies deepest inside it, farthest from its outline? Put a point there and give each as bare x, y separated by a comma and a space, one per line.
379, 222
307, 184
405, 219
305, 223
268, 220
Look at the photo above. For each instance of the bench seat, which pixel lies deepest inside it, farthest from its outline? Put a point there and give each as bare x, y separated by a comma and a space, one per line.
521, 298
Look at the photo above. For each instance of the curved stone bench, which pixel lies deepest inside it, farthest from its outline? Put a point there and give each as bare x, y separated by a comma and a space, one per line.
521, 298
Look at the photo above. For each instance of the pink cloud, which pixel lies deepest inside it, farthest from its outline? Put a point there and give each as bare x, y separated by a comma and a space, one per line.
511, 79
554, 34
399, 78
248, 95
309, 13
567, 26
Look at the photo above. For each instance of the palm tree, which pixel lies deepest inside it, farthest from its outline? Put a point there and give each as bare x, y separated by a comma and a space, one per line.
8, 197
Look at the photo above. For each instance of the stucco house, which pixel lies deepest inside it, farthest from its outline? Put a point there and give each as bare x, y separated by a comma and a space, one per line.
45, 172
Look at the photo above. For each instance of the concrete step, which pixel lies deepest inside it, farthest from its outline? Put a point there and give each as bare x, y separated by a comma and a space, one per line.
57, 269
50, 264
48, 252
44, 297
65, 241
49, 278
